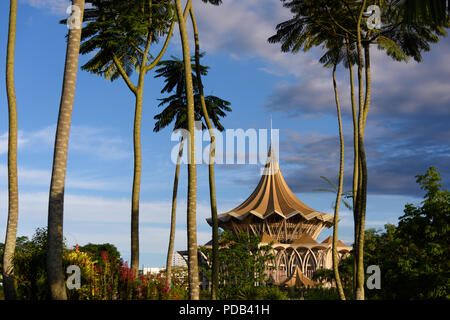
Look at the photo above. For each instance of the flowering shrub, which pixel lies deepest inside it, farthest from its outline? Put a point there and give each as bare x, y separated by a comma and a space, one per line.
89, 274
104, 276
116, 281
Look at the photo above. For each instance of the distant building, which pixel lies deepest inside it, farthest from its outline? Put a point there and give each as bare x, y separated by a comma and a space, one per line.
152, 270
178, 260
274, 212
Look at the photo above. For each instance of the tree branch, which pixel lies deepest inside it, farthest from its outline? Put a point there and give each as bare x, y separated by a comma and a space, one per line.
124, 74
163, 50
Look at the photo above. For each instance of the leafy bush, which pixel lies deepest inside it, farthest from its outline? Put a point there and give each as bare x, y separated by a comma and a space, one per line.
29, 267
273, 293
242, 263
261, 293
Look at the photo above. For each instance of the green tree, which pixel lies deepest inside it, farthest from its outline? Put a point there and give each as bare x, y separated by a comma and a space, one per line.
98, 252
242, 263
121, 33
56, 200
30, 265
13, 189
414, 255
425, 233
175, 111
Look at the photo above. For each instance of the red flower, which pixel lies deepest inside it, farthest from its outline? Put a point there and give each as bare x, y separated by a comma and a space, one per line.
105, 256
76, 247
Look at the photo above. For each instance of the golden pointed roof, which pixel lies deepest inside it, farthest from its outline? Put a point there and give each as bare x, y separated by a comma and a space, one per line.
273, 196
298, 279
340, 244
305, 239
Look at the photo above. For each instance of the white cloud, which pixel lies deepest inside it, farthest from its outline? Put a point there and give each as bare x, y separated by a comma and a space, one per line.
33, 206
40, 178
4, 141
57, 7
97, 142
241, 29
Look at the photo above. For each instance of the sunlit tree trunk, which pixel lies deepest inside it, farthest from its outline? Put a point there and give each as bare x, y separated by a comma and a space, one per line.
55, 272
212, 184
13, 192
360, 204
339, 191
192, 174
173, 217
136, 178
355, 149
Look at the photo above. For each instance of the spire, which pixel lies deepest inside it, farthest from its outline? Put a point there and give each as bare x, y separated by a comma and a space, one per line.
270, 130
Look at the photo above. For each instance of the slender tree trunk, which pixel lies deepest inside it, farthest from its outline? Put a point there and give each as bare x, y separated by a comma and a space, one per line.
363, 175
339, 191
13, 191
139, 93
173, 217
368, 84
212, 184
55, 272
355, 153
192, 174
360, 197
136, 178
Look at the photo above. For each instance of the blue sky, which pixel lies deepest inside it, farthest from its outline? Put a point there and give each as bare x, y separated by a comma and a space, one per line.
407, 128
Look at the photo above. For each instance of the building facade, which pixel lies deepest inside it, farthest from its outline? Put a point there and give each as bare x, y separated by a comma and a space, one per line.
275, 213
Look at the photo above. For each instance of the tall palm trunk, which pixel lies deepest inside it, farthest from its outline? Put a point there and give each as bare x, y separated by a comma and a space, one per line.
212, 184
56, 200
192, 174
13, 192
136, 178
355, 148
173, 217
339, 191
362, 175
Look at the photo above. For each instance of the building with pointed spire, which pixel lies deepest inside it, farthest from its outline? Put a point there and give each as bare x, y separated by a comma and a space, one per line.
275, 213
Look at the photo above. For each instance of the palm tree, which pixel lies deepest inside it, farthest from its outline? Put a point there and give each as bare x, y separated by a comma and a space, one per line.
13, 192
305, 30
56, 200
337, 52
212, 184
312, 21
122, 33
175, 111
194, 293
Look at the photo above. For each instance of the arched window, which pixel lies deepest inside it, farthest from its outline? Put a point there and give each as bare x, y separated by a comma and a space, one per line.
310, 264
281, 266
294, 261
